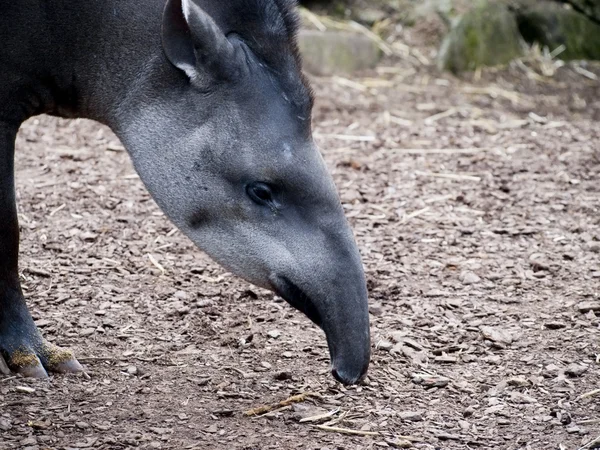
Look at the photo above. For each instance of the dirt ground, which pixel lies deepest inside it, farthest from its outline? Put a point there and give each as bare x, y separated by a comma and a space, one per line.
476, 205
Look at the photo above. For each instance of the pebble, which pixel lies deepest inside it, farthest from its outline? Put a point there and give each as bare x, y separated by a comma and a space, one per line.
468, 277
411, 416
288, 354
384, 345
496, 335
584, 307
274, 334
550, 371
376, 309
132, 370
5, 424
576, 370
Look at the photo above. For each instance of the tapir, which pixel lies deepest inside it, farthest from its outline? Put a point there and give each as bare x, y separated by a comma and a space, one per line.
209, 100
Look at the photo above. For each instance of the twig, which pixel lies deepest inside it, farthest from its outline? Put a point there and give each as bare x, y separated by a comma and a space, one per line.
586, 73
347, 431
438, 151
596, 440
588, 422
414, 214
346, 137
320, 416
349, 83
156, 263
589, 394
314, 19
288, 401
431, 119
450, 176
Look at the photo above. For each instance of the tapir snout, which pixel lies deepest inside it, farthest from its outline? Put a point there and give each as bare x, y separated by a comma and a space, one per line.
331, 291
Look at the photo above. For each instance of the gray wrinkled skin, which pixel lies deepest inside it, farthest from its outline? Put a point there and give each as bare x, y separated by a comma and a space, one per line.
209, 100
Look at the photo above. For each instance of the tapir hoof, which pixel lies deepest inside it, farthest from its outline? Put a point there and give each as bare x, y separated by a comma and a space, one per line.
37, 363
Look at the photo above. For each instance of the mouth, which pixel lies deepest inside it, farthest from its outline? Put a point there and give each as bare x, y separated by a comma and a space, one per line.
297, 298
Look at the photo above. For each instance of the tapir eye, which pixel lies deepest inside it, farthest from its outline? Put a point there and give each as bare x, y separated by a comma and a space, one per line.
260, 193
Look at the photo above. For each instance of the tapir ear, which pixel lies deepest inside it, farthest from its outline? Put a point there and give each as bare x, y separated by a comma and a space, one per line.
193, 42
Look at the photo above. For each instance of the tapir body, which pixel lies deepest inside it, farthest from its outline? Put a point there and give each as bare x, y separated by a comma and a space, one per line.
209, 100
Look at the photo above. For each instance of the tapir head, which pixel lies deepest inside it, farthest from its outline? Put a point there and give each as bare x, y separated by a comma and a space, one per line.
222, 140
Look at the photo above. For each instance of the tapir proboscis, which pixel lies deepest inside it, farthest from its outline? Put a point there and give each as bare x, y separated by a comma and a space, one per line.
209, 100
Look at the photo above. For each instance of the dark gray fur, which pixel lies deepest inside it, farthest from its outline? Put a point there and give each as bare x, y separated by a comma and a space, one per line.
208, 99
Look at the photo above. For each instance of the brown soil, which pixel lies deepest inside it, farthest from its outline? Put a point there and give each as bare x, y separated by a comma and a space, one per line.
480, 232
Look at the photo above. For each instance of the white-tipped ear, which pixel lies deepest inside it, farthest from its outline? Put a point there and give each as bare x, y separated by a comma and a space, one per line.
193, 42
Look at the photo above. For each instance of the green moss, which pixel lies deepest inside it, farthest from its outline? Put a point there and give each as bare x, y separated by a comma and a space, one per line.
487, 35
552, 26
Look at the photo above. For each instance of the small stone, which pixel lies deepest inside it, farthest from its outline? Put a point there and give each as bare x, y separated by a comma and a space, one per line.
551, 371
430, 381
411, 416
399, 443
288, 354
274, 334
518, 397
585, 307
467, 277
5, 424
31, 440
384, 345
375, 309
518, 382
576, 370
283, 376
212, 429
464, 425
266, 364
496, 335
132, 370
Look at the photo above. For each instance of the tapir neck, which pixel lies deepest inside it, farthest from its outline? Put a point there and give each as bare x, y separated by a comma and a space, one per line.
99, 54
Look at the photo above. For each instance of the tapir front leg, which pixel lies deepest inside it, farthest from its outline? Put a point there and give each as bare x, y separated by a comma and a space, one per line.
21, 344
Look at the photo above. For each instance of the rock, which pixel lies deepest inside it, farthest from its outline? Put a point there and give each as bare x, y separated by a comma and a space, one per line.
5, 424
551, 371
411, 416
496, 335
552, 25
337, 52
274, 334
384, 345
487, 35
585, 307
576, 370
518, 397
468, 277
375, 309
